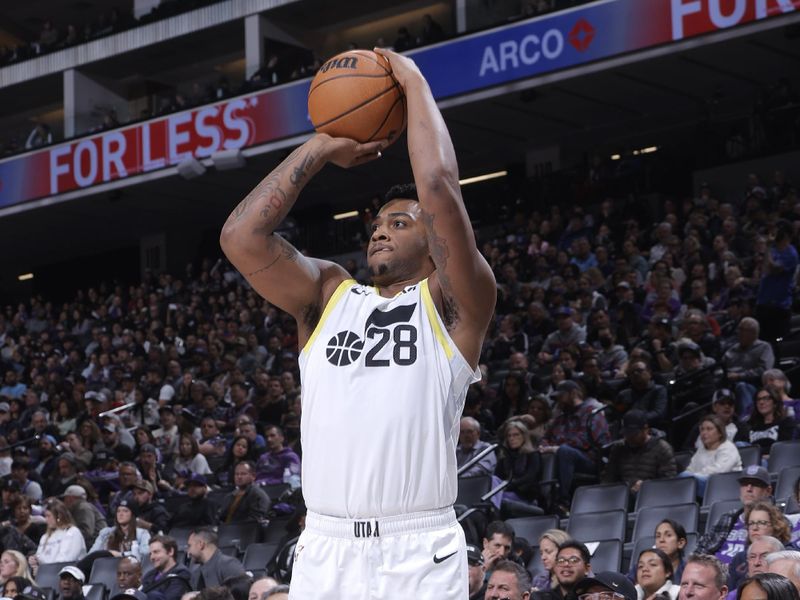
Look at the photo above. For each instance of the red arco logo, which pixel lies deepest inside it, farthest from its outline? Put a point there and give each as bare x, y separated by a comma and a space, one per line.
581, 35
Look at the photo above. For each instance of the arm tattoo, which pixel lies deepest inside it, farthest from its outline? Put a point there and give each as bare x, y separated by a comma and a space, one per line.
437, 246
300, 171
287, 252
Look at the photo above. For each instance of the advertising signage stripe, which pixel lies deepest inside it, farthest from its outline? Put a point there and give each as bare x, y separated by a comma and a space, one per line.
510, 53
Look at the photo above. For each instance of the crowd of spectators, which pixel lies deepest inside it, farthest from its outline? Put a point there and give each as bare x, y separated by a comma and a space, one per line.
624, 349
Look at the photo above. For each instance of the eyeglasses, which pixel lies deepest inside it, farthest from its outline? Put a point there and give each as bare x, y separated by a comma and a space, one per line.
752, 524
765, 397
601, 596
572, 560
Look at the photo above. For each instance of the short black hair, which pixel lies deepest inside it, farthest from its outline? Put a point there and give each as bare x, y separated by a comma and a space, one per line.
406, 191
584, 551
500, 527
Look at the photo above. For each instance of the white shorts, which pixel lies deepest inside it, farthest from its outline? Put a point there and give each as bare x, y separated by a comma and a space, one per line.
421, 555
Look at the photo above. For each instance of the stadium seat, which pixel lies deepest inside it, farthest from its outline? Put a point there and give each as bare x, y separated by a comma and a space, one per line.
470, 490
648, 518
531, 528
104, 571
722, 486
47, 575
180, 535
275, 490
607, 556
276, 530
256, 556
596, 498
666, 492
239, 535
787, 477
751, 455
782, 455
718, 509
95, 591
606, 525
535, 566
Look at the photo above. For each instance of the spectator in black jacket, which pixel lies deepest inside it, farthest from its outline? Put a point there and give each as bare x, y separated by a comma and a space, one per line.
639, 456
197, 510
152, 515
247, 502
643, 394
521, 465
167, 580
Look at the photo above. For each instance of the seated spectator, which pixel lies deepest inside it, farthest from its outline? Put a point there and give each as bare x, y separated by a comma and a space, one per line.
19, 474
670, 538
62, 542
241, 450
703, 577
189, 457
16, 586
70, 583
768, 586
572, 567
520, 465
787, 564
575, 436
469, 446
476, 573
509, 580
723, 407
567, 334
611, 356
539, 409
167, 580
197, 510
776, 381
643, 394
695, 327
716, 455
549, 543
510, 339
767, 423
14, 564
753, 559
247, 502
639, 456
273, 464
694, 377
123, 538
775, 290
606, 582
152, 516
513, 397
215, 567
725, 538
23, 532
497, 544
86, 515
659, 344
745, 363
129, 575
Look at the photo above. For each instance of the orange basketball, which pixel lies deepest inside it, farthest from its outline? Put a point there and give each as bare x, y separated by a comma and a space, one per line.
355, 96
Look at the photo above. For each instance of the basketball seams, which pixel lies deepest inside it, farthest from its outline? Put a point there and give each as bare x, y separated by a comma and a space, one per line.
400, 99
369, 55
358, 106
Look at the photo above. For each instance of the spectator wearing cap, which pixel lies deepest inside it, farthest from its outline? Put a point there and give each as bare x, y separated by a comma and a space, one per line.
128, 475
272, 465
746, 362
149, 466
607, 581
47, 457
477, 573
152, 515
88, 518
576, 436
70, 583
509, 581
247, 502
111, 441
727, 537
658, 342
167, 580
19, 473
723, 405
197, 510
124, 538
639, 456
130, 594
215, 567
62, 542
717, 454
644, 394
167, 435
567, 333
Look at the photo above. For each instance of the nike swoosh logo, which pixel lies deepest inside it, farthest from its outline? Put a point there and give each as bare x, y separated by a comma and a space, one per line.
437, 559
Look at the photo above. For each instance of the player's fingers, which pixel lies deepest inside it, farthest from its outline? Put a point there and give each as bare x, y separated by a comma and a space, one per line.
371, 147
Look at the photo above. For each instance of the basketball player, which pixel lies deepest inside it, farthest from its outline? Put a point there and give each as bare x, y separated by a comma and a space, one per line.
384, 369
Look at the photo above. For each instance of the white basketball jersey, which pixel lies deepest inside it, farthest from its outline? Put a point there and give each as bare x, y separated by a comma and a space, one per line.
383, 387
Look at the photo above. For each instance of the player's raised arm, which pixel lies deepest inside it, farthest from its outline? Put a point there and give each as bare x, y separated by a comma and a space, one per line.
274, 268
468, 289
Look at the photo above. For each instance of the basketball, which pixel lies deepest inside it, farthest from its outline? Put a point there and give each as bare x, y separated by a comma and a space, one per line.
354, 95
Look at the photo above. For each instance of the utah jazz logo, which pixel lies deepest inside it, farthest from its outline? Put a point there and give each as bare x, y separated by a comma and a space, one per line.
345, 347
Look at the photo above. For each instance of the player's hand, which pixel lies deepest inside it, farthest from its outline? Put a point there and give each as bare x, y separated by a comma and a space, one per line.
404, 69
346, 153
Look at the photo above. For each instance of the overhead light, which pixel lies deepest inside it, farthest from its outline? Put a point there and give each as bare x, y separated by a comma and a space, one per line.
615, 156
649, 149
345, 215
225, 160
25, 276
191, 168
479, 178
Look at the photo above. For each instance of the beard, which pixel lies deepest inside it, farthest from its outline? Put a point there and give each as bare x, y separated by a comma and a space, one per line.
381, 270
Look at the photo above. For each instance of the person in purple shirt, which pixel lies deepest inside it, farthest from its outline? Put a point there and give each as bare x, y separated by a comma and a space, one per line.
774, 302
273, 463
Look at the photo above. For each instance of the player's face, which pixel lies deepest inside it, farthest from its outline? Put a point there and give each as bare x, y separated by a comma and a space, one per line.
398, 246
